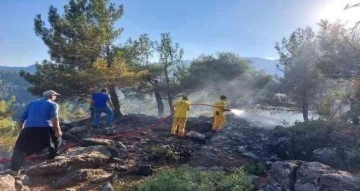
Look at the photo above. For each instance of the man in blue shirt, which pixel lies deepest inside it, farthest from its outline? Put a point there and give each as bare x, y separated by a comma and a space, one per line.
99, 103
39, 128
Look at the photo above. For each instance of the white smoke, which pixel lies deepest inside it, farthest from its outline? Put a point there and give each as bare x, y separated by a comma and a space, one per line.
271, 117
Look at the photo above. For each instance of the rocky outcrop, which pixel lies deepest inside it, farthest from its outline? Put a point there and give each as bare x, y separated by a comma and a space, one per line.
305, 176
332, 147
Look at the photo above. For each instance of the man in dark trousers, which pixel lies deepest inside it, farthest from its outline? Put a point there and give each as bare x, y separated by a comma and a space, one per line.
39, 129
99, 103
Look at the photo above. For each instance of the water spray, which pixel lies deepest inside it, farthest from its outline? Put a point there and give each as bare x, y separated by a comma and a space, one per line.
237, 112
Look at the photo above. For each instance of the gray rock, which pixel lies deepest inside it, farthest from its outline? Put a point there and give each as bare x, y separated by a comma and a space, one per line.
196, 135
107, 187
7, 182
95, 141
283, 173
311, 176
90, 159
339, 180
82, 175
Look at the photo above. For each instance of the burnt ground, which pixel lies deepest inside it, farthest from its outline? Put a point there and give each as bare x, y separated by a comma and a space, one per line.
144, 146
150, 147
192, 151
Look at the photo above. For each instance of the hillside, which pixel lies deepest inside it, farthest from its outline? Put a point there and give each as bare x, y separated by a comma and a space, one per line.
11, 84
31, 68
269, 66
137, 147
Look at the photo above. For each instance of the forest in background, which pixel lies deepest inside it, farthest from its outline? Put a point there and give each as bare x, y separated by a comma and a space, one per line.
316, 65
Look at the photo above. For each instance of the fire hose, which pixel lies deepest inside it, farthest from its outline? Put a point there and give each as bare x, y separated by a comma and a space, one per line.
71, 145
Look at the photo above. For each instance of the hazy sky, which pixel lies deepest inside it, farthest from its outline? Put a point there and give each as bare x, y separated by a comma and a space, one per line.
249, 28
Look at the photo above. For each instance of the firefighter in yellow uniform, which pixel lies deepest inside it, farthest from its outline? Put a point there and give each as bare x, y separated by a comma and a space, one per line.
218, 113
355, 102
181, 111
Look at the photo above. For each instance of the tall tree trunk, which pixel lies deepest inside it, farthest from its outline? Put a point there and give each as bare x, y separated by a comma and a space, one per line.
112, 90
159, 102
305, 106
168, 91
115, 101
170, 101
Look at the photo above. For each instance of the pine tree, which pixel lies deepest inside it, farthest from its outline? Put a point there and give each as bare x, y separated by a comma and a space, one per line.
78, 40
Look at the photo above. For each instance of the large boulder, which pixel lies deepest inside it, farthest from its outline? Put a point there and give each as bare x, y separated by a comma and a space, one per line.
305, 176
283, 173
323, 177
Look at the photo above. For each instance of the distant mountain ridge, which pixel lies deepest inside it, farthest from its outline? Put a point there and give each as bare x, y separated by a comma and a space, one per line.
268, 65
30, 69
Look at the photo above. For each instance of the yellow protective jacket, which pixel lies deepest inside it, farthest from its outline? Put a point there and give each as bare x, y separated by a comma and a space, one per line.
219, 107
182, 108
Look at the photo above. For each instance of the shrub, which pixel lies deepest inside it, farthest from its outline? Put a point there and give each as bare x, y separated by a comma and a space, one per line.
8, 127
163, 153
255, 168
307, 128
236, 181
191, 179
69, 112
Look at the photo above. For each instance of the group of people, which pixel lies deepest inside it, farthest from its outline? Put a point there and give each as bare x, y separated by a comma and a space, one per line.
39, 125
181, 110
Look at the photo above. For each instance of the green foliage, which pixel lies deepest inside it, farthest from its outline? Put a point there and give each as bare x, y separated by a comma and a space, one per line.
214, 70
340, 48
254, 168
330, 105
76, 39
70, 112
139, 51
192, 179
164, 153
8, 127
298, 57
170, 54
163, 78
308, 128
261, 80
236, 181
